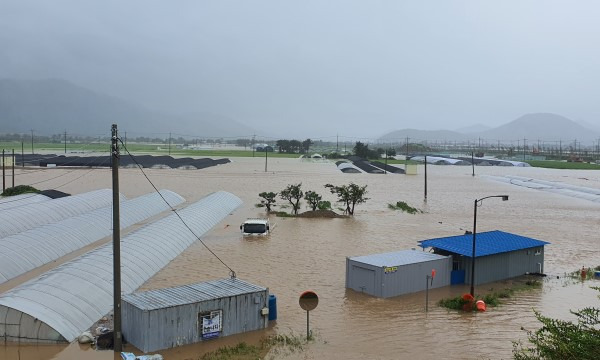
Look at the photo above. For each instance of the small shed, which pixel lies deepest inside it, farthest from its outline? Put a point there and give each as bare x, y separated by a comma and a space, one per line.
396, 273
166, 318
499, 255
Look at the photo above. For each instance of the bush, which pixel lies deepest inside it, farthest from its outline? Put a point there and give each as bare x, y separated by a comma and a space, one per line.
19, 189
401, 205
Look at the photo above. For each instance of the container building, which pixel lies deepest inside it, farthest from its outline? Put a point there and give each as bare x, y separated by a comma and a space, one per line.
499, 255
396, 273
166, 318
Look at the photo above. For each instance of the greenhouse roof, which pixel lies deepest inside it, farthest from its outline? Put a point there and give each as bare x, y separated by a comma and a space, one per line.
18, 219
71, 297
30, 249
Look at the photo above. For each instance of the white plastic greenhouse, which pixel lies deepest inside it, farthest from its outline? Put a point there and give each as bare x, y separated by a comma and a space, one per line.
67, 300
30, 249
7, 202
18, 219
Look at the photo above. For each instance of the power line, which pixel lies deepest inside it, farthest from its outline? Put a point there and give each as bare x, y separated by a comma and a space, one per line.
231, 271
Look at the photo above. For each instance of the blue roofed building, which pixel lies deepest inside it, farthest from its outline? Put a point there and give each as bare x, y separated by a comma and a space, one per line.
500, 255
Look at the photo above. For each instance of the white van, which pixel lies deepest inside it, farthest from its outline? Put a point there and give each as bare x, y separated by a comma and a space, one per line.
255, 227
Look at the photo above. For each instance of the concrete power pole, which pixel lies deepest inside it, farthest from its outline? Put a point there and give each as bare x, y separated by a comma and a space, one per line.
116, 243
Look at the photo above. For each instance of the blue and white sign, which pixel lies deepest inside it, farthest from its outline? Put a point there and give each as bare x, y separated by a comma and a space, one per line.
212, 324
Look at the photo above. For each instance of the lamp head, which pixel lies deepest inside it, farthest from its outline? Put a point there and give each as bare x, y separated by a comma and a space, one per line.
504, 197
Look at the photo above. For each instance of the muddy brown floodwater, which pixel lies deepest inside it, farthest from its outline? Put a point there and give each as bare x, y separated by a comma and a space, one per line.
309, 254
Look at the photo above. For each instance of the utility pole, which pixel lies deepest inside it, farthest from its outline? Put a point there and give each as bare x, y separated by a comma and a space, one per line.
386, 156
65, 141
126, 139
169, 144
524, 143
3, 162
473, 163
425, 178
253, 137
116, 242
560, 149
32, 141
13, 167
266, 156
337, 143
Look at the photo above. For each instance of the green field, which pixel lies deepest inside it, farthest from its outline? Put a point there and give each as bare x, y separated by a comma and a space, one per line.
550, 164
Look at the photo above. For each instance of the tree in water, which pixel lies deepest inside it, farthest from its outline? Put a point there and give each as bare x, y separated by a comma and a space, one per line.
267, 200
350, 195
293, 194
313, 199
559, 339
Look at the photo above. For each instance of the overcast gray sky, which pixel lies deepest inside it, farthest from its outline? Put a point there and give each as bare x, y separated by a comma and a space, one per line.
358, 68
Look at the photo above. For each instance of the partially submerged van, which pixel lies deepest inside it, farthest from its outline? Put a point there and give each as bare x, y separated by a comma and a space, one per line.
255, 227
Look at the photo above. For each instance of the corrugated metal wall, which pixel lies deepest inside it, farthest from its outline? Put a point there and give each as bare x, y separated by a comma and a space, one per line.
411, 278
504, 266
407, 279
179, 325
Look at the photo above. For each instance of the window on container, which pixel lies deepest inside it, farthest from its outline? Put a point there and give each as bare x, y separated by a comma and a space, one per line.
211, 323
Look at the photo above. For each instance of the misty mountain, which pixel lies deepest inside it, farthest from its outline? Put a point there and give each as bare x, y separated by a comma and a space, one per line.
477, 128
53, 106
423, 135
543, 126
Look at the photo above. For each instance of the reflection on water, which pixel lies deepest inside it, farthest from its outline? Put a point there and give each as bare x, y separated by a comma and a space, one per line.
302, 254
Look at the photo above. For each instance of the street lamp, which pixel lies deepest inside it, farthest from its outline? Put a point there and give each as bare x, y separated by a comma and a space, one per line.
477, 203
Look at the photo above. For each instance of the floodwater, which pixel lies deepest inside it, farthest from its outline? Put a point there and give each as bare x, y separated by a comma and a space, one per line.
309, 254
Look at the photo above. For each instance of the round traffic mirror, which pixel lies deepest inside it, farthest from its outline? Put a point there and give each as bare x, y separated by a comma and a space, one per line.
308, 300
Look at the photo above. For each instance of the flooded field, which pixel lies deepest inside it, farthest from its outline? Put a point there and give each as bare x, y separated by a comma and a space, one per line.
303, 254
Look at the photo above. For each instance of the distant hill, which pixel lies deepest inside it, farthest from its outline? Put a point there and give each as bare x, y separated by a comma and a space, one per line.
53, 106
477, 128
421, 135
542, 126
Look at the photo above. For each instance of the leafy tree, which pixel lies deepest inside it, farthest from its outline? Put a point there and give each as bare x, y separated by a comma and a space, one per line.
558, 339
306, 144
295, 146
324, 205
283, 145
313, 199
293, 194
268, 200
391, 152
361, 149
350, 195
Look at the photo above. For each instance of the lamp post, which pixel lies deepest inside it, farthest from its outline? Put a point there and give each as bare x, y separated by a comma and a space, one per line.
477, 203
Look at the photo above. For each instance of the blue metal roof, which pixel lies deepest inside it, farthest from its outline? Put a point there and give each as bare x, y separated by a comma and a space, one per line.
487, 243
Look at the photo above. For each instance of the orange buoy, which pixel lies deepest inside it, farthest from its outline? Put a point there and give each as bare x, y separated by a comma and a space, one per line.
468, 297
480, 305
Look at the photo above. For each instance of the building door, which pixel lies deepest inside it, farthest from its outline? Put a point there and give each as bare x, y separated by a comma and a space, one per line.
363, 280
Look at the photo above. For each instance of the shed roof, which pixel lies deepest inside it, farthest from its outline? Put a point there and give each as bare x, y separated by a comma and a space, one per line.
488, 243
397, 258
189, 294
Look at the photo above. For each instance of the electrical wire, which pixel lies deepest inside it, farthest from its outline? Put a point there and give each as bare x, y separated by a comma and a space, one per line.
232, 273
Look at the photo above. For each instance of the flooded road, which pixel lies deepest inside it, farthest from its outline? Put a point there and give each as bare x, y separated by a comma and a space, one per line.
303, 254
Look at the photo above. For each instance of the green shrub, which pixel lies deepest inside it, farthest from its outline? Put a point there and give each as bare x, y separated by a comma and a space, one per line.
401, 205
19, 189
